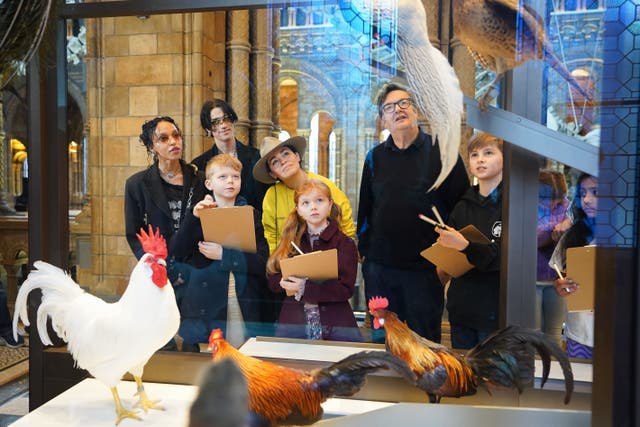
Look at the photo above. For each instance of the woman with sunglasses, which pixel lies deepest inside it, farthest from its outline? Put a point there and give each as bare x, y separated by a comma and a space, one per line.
218, 121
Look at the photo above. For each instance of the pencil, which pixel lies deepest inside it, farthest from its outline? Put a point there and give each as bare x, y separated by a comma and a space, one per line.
557, 269
430, 221
437, 214
297, 248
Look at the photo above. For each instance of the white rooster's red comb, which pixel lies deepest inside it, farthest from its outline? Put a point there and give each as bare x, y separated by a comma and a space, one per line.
153, 243
376, 303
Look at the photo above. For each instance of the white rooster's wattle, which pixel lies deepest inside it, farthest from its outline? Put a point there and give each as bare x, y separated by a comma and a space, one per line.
108, 339
431, 78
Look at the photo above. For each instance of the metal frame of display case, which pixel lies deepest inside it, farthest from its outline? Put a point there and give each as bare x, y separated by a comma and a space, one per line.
616, 389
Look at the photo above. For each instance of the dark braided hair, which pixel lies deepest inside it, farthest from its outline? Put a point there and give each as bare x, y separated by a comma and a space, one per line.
149, 127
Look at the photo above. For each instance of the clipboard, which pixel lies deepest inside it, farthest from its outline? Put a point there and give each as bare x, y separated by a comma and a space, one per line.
230, 227
581, 268
317, 266
452, 261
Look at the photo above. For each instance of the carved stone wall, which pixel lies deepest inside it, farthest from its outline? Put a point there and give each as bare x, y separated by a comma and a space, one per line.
138, 69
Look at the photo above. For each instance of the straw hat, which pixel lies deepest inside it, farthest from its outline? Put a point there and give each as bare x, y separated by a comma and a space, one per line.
269, 146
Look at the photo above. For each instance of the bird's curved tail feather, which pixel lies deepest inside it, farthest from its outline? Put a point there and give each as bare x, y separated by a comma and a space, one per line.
58, 289
506, 358
347, 376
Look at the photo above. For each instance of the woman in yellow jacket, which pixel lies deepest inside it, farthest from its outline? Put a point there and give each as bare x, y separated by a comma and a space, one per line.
280, 164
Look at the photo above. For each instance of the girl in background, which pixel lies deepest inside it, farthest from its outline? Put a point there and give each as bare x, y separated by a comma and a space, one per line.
315, 310
579, 324
552, 211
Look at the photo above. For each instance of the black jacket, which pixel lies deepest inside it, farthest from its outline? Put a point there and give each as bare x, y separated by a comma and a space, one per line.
473, 299
393, 192
146, 202
206, 281
252, 190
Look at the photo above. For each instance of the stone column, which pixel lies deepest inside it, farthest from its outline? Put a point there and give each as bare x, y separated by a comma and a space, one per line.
276, 63
238, 78
261, 77
5, 159
305, 133
341, 160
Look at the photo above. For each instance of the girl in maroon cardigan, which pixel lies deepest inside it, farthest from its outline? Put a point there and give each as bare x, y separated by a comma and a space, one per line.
315, 310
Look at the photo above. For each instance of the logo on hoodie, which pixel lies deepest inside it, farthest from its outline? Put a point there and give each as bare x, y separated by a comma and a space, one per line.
496, 229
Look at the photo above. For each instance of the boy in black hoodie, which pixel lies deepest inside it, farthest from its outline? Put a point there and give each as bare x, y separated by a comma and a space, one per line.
473, 298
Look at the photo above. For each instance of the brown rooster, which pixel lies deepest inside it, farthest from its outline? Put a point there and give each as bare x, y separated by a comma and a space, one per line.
505, 358
503, 34
284, 396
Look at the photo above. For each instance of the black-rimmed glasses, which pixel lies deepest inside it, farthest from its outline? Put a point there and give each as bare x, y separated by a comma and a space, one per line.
403, 104
218, 121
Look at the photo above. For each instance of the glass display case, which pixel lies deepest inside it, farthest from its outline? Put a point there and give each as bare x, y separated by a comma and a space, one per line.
313, 69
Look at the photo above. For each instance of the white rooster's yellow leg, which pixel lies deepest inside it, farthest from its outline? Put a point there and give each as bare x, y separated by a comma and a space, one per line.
144, 402
120, 411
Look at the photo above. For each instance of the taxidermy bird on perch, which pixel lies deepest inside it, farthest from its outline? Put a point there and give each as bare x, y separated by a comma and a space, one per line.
431, 78
503, 34
505, 359
108, 340
279, 395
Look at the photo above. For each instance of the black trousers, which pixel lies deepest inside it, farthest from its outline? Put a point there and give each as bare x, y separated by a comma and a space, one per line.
417, 297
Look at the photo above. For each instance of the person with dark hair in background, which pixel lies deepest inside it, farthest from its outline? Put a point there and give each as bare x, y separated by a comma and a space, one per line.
161, 194
218, 121
552, 211
6, 328
396, 177
578, 324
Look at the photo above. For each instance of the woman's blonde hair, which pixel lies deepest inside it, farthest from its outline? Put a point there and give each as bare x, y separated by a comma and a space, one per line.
295, 226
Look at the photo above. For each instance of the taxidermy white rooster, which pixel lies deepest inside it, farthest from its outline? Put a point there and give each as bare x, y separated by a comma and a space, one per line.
432, 80
109, 339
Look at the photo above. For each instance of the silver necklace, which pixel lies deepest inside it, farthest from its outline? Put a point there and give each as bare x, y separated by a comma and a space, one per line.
169, 175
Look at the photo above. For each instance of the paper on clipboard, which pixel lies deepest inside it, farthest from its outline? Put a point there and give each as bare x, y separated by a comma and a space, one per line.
317, 266
452, 261
581, 268
230, 227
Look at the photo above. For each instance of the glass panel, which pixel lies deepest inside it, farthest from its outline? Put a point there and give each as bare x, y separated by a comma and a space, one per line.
576, 31
14, 191
80, 248
332, 61
328, 60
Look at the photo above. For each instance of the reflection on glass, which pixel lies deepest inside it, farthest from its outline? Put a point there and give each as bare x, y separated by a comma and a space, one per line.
576, 30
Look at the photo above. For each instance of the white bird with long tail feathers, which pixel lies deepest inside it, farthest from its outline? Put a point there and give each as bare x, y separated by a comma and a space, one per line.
432, 80
108, 340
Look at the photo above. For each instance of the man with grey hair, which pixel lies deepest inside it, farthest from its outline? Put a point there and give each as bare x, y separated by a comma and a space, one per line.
396, 177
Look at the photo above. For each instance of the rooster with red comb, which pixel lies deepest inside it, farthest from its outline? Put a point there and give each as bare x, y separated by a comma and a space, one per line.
108, 339
283, 396
504, 359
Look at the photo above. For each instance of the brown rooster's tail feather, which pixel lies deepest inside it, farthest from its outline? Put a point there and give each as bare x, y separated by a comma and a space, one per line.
347, 376
506, 358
